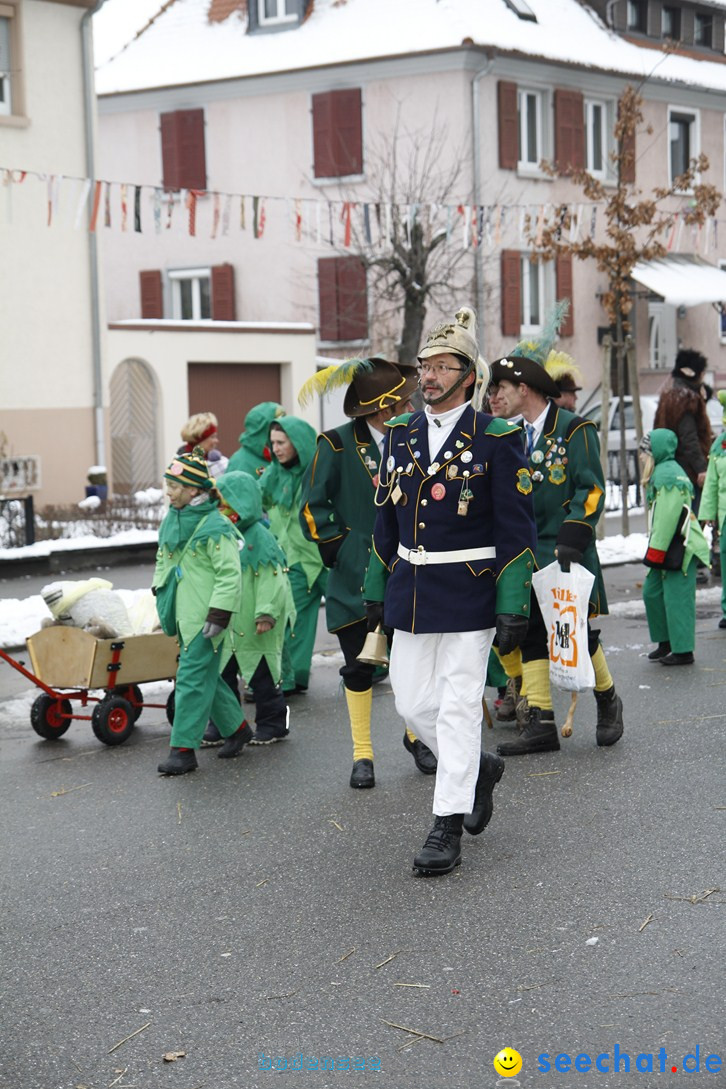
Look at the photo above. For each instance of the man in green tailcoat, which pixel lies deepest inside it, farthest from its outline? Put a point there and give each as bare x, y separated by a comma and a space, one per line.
338, 514
568, 489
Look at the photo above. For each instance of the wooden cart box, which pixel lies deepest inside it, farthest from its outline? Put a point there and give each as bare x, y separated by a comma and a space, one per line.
72, 658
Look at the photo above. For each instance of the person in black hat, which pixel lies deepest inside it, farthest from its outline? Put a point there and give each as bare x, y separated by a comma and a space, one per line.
338, 512
563, 455
682, 408
567, 376
453, 559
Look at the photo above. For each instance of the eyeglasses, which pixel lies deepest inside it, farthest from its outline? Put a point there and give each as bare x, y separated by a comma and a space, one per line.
437, 369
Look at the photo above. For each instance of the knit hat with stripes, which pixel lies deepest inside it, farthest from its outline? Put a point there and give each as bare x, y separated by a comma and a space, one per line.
190, 470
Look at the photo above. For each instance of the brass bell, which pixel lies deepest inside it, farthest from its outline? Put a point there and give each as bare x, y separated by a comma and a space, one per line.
375, 648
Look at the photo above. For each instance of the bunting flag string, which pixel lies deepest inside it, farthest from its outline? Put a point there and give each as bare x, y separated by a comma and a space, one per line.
349, 225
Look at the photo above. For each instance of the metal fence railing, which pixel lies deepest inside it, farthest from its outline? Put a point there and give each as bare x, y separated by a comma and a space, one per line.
614, 493
17, 522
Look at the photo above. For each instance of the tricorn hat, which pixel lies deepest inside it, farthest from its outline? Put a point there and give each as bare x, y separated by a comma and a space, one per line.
526, 362
373, 384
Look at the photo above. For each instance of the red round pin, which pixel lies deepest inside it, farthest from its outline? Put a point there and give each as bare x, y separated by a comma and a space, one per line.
438, 491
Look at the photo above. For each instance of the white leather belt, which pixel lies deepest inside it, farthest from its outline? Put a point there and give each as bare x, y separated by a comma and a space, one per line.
419, 555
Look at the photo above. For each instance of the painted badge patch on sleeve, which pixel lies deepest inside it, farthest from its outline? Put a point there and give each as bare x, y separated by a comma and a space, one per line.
524, 481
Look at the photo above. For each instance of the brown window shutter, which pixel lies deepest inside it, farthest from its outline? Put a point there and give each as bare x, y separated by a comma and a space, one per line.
323, 137
328, 298
223, 298
563, 276
627, 165
569, 129
511, 294
508, 125
337, 133
352, 299
182, 150
152, 297
348, 132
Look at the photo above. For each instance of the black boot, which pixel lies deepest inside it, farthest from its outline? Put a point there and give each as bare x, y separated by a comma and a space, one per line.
609, 717
507, 709
491, 769
538, 735
678, 659
442, 849
234, 745
178, 762
423, 758
212, 736
362, 777
660, 652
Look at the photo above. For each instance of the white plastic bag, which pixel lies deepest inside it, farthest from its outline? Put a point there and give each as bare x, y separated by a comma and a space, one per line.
563, 598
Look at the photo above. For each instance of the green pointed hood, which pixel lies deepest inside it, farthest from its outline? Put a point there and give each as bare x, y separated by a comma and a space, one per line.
241, 495
667, 473
257, 425
280, 483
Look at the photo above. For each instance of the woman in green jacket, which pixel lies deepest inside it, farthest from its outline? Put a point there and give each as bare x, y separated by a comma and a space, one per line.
670, 595
266, 611
713, 499
197, 584
292, 441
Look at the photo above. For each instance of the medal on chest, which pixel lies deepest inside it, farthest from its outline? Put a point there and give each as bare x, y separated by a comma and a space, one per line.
465, 496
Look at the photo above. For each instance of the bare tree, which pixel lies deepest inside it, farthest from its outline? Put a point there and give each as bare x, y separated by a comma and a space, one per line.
635, 227
414, 256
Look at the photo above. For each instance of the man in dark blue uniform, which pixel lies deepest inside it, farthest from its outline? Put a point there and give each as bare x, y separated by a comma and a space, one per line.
454, 541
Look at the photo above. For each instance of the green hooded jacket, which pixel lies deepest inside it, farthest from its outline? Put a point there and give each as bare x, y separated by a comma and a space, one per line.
249, 458
713, 498
197, 568
281, 489
669, 490
266, 590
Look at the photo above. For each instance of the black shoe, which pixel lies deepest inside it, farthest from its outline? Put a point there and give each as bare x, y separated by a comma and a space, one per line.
660, 652
442, 850
538, 735
678, 659
702, 576
609, 727
491, 769
268, 735
423, 758
249, 696
212, 736
178, 762
234, 745
722, 622
298, 690
362, 776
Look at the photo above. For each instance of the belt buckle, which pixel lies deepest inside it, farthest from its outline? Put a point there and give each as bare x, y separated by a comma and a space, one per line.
417, 556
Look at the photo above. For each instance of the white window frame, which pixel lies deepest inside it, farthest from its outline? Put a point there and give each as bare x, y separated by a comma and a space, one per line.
544, 273
529, 166
694, 137
274, 20
195, 275
6, 104
608, 121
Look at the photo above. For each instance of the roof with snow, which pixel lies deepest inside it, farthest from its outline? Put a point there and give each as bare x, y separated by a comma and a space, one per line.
199, 41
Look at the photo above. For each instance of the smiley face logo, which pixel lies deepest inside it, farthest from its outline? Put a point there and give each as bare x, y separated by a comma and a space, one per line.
508, 1062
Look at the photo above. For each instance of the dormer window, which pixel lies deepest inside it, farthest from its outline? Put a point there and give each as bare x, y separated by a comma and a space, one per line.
703, 30
638, 16
274, 12
670, 23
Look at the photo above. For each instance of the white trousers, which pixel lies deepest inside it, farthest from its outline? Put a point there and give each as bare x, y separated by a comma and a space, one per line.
438, 683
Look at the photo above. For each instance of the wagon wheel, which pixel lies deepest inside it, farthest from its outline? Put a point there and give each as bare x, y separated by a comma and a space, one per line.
48, 717
170, 706
113, 720
133, 694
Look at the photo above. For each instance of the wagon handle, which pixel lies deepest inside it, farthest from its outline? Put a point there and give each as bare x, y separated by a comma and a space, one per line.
26, 673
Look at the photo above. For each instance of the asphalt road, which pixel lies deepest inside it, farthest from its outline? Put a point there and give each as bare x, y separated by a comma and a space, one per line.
260, 910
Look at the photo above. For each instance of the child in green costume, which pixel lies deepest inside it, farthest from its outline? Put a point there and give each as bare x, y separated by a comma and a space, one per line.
197, 584
292, 441
267, 608
670, 595
713, 499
